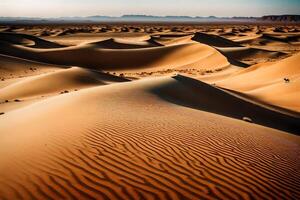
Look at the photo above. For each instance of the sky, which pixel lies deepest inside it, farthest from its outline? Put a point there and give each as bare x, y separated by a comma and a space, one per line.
220, 8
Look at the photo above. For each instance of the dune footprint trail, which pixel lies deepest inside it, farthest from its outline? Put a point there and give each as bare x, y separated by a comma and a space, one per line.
111, 144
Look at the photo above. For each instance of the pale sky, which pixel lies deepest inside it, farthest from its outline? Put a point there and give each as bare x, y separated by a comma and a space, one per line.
61, 8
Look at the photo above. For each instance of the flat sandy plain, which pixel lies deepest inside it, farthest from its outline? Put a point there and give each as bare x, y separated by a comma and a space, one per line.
150, 112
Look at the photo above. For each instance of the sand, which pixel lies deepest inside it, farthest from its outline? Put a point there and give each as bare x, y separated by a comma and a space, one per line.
275, 83
149, 112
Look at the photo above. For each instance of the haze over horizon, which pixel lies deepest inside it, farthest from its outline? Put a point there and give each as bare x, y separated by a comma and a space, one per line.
65, 8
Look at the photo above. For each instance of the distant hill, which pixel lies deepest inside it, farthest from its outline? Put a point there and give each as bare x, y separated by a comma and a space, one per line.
171, 18
152, 18
282, 18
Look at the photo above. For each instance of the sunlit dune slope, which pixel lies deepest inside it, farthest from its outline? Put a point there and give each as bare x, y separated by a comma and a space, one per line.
124, 44
119, 142
280, 94
275, 83
12, 67
56, 82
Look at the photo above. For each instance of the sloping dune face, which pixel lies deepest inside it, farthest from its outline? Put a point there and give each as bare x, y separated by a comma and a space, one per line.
276, 83
59, 81
235, 51
281, 94
27, 40
12, 67
214, 40
128, 152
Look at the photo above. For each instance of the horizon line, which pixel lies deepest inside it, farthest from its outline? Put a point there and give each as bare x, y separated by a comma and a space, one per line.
146, 15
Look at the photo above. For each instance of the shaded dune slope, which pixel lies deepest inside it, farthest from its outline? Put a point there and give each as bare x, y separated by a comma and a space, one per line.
286, 39
102, 153
217, 42
196, 94
270, 39
248, 53
27, 40
234, 51
214, 40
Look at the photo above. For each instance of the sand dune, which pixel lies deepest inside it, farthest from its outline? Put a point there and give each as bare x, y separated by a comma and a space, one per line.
83, 38
246, 54
120, 155
264, 74
237, 53
283, 38
190, 54
280, 94
214, 40
168, 40
124, 44
258, 40
269, 42
27, 40
56, 82
198, 120
211, 103
12, 67
269, 76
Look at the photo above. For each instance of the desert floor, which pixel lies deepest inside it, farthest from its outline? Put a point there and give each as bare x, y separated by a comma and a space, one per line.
150, 112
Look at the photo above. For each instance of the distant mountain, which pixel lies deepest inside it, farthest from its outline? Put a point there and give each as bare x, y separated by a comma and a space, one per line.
147, 18
152, 18
282, 18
